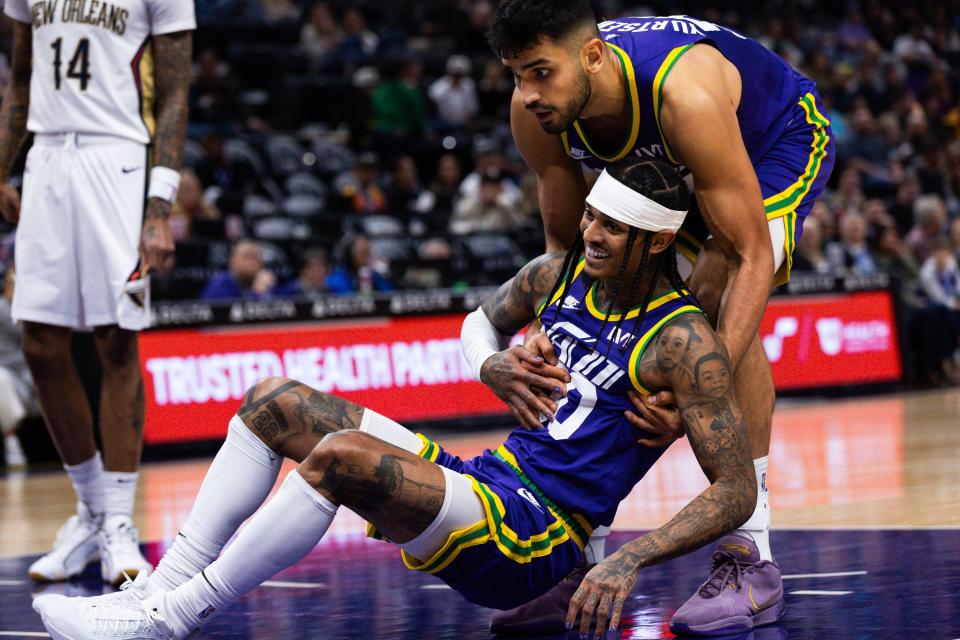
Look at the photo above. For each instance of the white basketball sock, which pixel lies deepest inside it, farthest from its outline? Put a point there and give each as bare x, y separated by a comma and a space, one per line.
596, 548
238, 481
119, 491
284, 531
87, 479
758, 526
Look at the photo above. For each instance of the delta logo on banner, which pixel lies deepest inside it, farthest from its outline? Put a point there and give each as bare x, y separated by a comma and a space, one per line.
819, 341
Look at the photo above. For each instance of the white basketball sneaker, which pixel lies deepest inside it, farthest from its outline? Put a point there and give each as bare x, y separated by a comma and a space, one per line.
120, 556
74, 548
103, 618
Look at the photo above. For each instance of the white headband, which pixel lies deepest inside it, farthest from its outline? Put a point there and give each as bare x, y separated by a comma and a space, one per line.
620, 202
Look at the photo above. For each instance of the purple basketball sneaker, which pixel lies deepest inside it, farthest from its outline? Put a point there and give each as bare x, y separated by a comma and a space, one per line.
741, 593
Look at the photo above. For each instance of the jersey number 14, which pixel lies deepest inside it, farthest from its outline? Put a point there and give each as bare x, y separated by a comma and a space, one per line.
79, 66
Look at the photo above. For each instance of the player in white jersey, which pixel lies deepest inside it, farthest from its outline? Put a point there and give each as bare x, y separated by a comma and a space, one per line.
101, 85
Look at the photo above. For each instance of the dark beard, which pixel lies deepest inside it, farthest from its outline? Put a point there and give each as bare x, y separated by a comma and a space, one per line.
574, 106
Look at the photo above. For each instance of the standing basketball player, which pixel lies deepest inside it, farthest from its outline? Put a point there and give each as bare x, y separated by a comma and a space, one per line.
101, 86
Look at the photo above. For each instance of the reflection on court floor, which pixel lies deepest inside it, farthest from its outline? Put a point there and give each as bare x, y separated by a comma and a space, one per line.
841, 585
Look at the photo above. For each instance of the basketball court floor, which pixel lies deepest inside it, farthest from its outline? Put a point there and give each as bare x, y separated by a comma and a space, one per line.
866, 497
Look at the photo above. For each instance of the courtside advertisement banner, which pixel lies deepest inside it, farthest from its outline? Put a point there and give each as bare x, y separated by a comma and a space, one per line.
831, 339
411, 368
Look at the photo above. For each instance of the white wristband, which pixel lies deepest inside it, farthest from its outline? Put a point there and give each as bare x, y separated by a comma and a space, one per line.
164, 183
479, 340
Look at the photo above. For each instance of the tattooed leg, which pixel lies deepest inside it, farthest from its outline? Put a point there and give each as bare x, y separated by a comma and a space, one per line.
121, 398
291, 418
397, 491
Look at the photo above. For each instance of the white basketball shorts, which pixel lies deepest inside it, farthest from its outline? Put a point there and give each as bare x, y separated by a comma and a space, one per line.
78, 240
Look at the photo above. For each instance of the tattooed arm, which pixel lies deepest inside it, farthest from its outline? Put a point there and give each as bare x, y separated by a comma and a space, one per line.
702, 379
172, 56
13, 116
519, 376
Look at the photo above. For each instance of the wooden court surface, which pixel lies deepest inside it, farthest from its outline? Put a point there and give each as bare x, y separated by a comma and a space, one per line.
884, 462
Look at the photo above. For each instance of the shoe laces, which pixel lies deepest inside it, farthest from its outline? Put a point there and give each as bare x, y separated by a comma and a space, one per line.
129, 619
135, 586
727, 572
124, 533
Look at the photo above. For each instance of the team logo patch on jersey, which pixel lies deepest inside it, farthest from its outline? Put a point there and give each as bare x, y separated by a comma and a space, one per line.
529, 497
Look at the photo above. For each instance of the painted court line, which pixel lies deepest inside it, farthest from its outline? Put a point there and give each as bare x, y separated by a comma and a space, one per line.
820, 593
280, 584
24, 634
835, 574
436, 586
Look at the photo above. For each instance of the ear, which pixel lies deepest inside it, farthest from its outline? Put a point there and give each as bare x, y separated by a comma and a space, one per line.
592, 55
660, 241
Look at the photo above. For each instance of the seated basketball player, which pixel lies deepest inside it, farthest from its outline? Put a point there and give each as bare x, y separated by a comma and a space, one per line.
503, 527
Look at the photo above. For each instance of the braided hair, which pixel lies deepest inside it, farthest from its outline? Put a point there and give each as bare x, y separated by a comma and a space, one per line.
662, 184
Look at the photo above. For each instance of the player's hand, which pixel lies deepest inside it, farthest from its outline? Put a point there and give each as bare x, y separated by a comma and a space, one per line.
539, 344
156, 241
657, 415
9, 203
602, 593
526, 383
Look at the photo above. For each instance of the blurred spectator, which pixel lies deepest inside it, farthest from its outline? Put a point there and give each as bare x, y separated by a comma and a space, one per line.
360, 188
399, 116
489, 159
902, 208
278, 12
355, 272
810, 255
230, 178
940, 280
455, 94
893, 256
490, 209
17, 395
822, 213
446, 185
495, 90
190, 207
866, 151
320, 34
246, 277
912, 48
851, 254
406, 197
312, 279
849, 194
930, 220
213, 90
359, 43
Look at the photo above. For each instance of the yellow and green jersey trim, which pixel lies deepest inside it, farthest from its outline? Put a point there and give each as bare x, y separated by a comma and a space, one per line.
564, 285
633, 96
789, 244
787, 201
493, 528
594, 308
658, 81
687, 245
637, 355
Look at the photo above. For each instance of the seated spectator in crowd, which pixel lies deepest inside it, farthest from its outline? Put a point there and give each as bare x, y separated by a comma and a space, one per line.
849, 194
902, 208
213, 90
867, 151
446, 185
246, 277
495, 91
940, 281
312, 279
406, 197
488, 158
359, 43
399, 114
930, 221
360, 189
892, 254
278, 12
320, 34
809, 255
190, 207
17, 395
356, 272
851, 254
455, 94
489, 210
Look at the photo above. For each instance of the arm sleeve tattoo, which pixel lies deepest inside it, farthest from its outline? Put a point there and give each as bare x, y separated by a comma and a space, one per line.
172, 52
16, 100
702, 382
515, 303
